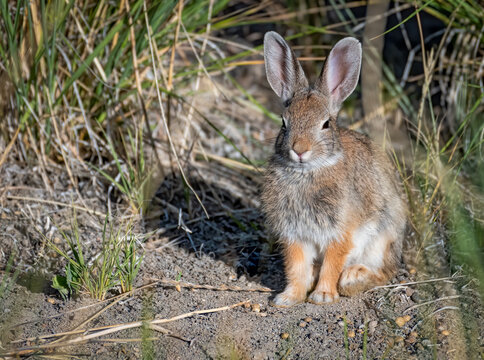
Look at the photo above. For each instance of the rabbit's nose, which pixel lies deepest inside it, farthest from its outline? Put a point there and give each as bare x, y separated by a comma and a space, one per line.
300, 147
302, 150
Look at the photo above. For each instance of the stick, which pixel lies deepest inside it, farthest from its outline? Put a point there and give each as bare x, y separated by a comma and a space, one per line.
210, 287
75, 310
52, 202
93, 333
415, 282
431, 302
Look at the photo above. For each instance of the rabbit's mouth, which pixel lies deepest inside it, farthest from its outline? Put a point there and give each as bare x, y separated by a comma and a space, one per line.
311, 162
300, 158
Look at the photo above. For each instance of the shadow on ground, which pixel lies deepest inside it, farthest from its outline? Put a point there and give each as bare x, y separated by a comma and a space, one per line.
234, 233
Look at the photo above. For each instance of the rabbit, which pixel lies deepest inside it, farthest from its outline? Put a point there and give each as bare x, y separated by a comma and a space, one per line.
329, 195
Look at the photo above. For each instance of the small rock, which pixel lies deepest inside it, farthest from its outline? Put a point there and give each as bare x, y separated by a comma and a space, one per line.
341, 323
178, 287
303, 324
351, 334
255, 308
414, 334
372, 326
399, 339
308, 319
415, 297
400, 321
412, 271
426, 342
51, 300
445, 332
263, 314
284, 336
409, 291
247, 305
411, 340
407, 318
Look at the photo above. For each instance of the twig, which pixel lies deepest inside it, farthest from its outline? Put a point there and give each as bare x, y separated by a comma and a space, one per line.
95, 315
210, 287
89, 334
9, 146
415, 282
120, 296
431, 302
52, 202
169, 333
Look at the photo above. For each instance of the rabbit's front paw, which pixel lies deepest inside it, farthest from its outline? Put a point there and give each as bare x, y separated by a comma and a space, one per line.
323, 297
286, 299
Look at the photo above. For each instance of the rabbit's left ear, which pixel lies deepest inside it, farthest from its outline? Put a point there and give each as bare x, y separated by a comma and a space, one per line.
283, 70
340, 73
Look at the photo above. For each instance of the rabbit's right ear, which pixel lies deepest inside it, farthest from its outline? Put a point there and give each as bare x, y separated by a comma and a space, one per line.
283, 70
340, 73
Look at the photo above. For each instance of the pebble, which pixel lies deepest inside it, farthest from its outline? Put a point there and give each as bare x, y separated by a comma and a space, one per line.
51, 300
284, 336
415, 297
407, 318
372, 326
412, 271
308, 319
411, 339
445, 332
400, 321
303, 324
426, 342
255, 308
351, 334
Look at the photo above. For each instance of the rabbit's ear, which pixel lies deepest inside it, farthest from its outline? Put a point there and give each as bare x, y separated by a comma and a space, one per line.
284, 72
340, 73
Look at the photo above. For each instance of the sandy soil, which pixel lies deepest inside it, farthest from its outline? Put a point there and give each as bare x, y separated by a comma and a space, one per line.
444, 317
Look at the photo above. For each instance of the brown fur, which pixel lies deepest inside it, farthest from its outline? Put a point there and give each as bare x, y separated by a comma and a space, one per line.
296, 269
333, 263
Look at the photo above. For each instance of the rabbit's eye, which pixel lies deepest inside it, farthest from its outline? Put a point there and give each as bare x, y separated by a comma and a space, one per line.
326, 124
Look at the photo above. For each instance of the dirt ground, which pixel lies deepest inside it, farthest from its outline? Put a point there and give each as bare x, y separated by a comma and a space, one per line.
444, 316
